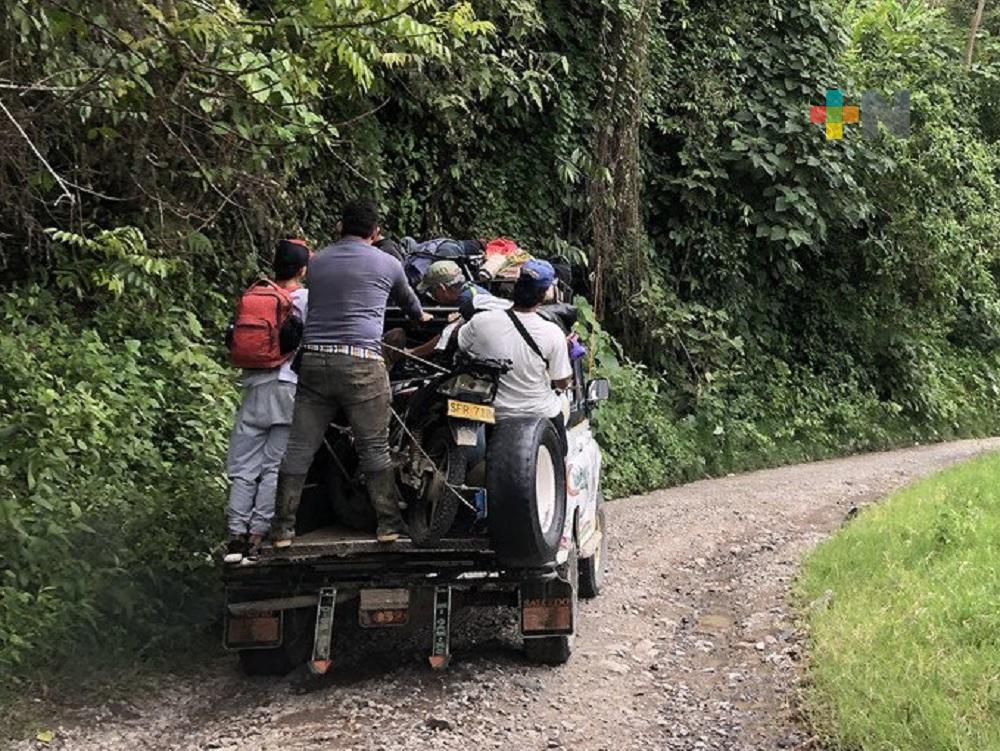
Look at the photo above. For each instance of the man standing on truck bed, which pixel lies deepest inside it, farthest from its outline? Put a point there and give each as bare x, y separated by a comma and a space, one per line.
536, 347
342, 367
260, 433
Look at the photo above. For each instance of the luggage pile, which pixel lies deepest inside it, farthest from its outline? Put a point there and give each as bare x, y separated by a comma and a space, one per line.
483, 261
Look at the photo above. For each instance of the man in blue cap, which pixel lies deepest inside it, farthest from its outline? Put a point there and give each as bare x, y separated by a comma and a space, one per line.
536, 347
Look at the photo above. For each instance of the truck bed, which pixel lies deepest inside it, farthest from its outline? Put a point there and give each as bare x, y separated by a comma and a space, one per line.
336, 541
337, 554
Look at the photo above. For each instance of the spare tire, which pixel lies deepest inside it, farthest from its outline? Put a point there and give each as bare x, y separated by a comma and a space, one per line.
526, 486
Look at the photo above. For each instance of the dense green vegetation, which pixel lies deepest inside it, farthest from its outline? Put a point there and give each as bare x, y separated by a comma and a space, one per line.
905, 655
766, 295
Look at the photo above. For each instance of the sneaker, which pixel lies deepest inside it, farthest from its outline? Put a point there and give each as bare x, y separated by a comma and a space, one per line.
252, 554
235, 549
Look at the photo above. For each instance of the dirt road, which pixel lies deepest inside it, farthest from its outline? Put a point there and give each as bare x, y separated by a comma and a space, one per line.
691, 646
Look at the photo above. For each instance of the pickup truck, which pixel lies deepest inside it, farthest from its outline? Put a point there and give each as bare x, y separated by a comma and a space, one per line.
528, 534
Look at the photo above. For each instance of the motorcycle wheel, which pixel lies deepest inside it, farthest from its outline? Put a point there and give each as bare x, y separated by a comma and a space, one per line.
431, 515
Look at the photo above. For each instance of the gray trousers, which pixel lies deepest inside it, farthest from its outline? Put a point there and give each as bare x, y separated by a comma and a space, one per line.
328, 384
256, 448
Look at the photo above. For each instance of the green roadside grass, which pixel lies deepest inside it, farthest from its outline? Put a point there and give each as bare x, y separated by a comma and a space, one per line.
905, 651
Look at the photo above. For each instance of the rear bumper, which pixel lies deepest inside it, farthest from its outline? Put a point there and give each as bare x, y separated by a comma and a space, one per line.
289, 577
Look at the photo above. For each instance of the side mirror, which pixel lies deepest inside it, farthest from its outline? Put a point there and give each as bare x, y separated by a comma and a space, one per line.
598, 390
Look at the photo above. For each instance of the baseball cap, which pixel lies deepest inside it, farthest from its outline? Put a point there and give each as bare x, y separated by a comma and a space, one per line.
537, 273
441, 272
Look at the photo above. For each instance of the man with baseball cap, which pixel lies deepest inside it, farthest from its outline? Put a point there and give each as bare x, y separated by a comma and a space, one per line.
445, 282
536, 347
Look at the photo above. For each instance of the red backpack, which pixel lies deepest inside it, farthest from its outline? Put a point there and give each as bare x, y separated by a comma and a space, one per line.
255, 335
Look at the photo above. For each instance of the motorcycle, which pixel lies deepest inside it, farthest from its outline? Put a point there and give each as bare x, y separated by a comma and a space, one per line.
436, 436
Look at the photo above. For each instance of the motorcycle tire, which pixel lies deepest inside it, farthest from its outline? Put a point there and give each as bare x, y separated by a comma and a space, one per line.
432, 514
526, 491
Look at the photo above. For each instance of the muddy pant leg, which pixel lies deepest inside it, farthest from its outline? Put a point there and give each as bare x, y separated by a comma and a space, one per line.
369, 413
367, 404
370, 423
314, 410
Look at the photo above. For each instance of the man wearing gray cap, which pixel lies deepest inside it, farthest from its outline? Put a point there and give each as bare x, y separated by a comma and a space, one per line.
445, 282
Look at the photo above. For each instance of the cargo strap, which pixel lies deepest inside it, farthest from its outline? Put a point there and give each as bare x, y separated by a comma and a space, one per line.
526, 335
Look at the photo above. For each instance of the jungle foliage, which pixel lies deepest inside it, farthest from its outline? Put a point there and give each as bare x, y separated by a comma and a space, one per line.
759, 294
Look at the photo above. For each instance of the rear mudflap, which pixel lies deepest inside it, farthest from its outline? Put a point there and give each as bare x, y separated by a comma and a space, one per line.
547, 608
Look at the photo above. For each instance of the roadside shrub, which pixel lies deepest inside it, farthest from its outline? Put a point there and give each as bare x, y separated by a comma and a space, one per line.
645, 446
115, 415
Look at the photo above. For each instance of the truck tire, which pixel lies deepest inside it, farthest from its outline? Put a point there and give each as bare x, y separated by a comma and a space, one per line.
295, 648
548, 650
430, 517
556, 650
526, 491
592, 568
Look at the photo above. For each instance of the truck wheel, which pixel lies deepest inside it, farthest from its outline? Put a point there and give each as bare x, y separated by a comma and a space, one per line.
592, 568
430, 517
556, 650
294, 650
548, 650
526, 491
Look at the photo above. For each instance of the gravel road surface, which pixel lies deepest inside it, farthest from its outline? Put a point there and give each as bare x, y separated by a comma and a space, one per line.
691, 646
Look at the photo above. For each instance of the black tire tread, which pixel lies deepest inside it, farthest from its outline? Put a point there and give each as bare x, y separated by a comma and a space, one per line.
426, 534
548, 650
510, 482
591, 580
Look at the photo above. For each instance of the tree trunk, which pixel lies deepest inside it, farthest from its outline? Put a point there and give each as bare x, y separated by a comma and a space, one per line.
976, 20
619, 253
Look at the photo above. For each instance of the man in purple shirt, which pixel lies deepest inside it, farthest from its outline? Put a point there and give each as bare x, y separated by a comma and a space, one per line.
342, 367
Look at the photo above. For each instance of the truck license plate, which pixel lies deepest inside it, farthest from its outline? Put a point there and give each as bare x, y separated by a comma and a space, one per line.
253, 630
469, 411
380, 608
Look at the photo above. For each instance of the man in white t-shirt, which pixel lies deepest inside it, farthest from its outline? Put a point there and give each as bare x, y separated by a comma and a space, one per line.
537, 349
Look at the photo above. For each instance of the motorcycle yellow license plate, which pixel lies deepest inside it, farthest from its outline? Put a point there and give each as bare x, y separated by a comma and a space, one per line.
467, 411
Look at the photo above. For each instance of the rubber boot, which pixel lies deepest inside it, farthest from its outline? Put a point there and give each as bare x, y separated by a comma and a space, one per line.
286, 504
382, 491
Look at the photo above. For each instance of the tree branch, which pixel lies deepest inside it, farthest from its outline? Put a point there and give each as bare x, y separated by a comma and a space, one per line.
352, 24
977, 19
63, 185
